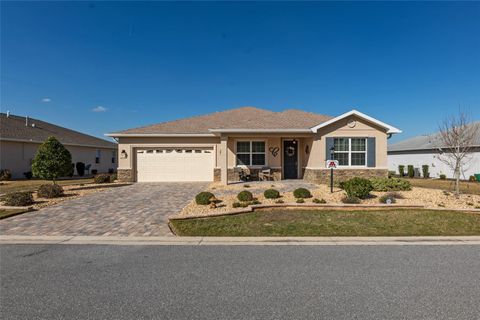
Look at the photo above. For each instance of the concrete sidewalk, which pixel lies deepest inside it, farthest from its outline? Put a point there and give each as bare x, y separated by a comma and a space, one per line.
194, 241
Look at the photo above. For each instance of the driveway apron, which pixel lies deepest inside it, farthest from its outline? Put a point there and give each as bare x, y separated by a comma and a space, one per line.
141, 209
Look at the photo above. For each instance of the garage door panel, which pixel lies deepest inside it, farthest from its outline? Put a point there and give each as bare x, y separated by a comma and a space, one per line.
175, 165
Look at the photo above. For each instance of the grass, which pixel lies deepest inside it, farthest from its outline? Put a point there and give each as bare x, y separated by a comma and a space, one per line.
448, 185
4, 213
32, 185
400, 222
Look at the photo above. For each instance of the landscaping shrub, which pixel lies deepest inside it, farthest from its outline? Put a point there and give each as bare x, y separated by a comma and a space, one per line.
113, 177
401, 170
395, 195
5, 175
410, 171
426, 173
50, 191
111, 171
102, 178
319, 200
52, 160
391, 174
358, 187
236, 204
349, 199
279, 201
472, 179
19, 199
80, 168
271, 194
393, 184
302, 193
72, 170
300, 200
256, 202
28, 175
94, 171
387, 198
245, 196
203, 198
443, 176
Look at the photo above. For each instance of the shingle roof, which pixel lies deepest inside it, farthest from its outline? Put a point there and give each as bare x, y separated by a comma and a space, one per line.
425, 142
13, 127
242, 118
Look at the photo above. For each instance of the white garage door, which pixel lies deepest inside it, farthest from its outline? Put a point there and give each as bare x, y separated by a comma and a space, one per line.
169, 164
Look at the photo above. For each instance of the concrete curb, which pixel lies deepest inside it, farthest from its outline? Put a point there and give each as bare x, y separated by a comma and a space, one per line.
322, 241
253, 207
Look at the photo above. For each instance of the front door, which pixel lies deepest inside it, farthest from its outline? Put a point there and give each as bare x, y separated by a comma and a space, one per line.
290, 159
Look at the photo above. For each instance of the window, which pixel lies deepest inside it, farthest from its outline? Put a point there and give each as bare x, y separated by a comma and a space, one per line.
350, 151
113, 156
97, 157
250, 153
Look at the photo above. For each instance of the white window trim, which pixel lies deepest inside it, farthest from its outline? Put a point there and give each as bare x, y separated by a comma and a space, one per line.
251, 153
350, 152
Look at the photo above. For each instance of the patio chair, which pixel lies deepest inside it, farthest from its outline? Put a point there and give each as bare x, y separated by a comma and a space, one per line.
87, 168
266, 174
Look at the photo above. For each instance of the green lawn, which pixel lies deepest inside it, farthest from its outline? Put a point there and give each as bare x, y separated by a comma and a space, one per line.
448, 185
10, 212
32, 185
394, 222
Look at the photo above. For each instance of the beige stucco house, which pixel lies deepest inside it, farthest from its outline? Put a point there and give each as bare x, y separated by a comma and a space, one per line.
20, 138
215, 147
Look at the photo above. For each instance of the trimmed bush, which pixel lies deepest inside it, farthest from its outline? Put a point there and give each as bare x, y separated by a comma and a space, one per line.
358, 187
80, 168
443, 177
236, 204
256, 202
387, 198
472, 179
271, 194
245, 196
28, 175
391, 174
319, 200
52, 160
102, 178
50, 191
426, 173
302, 193
5, 175
113, 177
19, 199
94, 171
392, 184
300, 200
203, 198
354, 200
410, 171
401, 170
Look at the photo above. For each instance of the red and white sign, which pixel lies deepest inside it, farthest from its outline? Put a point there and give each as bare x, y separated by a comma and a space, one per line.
332, 164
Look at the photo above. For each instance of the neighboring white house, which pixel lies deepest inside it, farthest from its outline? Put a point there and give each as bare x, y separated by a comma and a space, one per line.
423, 150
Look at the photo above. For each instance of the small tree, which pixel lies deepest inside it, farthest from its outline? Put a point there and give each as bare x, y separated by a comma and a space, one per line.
455, 141
52, 160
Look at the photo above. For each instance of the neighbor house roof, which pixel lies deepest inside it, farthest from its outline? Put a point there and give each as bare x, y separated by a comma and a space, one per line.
17, 128
242, 119
425, 142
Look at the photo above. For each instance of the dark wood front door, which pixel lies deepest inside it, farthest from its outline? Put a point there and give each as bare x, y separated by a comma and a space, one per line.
290, 159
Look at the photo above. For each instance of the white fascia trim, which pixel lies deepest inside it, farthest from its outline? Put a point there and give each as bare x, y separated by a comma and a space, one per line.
260, 130
65, 144
390, 129
120, 135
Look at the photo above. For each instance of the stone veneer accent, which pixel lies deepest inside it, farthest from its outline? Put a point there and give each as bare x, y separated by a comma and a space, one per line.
125, 175
234, 176
323, 175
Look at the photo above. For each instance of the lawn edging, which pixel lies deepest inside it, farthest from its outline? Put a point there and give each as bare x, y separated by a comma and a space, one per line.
14, 211
252, 207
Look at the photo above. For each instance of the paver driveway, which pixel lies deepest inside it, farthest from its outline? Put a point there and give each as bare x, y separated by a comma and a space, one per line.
140, 209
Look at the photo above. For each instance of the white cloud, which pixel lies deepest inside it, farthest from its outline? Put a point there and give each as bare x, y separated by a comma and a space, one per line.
99, 109
46, 99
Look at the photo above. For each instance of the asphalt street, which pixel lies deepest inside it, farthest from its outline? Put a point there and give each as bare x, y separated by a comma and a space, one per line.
239, 282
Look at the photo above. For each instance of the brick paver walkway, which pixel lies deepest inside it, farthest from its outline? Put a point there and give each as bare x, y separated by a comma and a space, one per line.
137, 210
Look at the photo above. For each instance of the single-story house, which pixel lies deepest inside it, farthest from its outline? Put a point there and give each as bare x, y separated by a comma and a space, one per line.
426, 150
294, 144
20, 138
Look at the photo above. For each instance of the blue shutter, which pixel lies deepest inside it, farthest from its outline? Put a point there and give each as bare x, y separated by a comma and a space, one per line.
328, 145
371, 153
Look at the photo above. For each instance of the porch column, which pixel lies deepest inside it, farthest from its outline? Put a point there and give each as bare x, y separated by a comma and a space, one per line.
224, 159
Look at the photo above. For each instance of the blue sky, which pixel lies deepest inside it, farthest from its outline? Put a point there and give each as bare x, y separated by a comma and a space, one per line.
99, 67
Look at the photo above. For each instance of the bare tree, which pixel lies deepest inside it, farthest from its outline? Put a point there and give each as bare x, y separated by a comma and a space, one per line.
455, 141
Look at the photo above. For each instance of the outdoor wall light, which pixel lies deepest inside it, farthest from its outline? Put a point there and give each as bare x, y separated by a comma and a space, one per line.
123, 154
